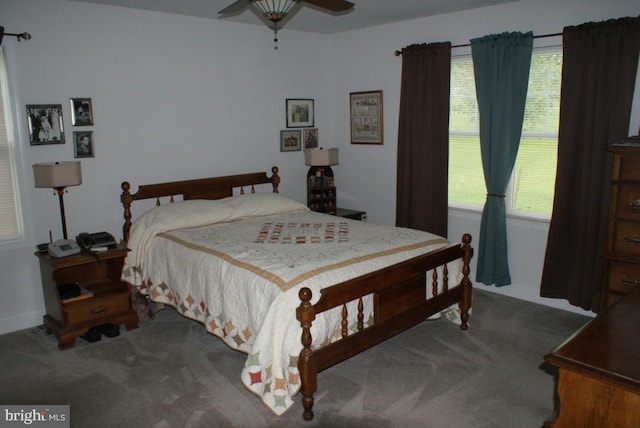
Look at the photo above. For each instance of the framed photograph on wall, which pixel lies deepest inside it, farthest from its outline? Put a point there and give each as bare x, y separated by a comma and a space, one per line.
290, 141
299, 113
310, 138
45, 124
366, 117
81, 112
83, 144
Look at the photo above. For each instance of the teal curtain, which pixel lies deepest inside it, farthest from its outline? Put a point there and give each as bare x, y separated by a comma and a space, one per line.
501, 67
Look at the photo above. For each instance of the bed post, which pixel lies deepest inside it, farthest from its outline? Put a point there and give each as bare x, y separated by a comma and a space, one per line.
275, 179
307, 363
465, 302
126, 200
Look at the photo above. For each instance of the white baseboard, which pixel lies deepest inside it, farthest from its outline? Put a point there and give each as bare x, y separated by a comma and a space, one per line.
20, 322
531, 295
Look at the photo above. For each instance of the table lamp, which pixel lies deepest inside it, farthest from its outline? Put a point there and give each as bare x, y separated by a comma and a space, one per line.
58, 176
321, 157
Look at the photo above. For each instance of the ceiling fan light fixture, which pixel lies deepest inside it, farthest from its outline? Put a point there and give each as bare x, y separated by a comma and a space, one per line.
274, 10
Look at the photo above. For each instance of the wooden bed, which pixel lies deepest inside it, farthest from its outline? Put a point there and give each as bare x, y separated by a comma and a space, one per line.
398, 291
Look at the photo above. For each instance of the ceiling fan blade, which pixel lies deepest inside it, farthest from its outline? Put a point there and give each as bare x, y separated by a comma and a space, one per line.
332, 5
238, 6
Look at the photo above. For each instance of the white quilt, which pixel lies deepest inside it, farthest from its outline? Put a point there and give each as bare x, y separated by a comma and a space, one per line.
237, 264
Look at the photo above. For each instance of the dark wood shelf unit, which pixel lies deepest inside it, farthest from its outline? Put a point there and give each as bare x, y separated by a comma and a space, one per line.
321, 190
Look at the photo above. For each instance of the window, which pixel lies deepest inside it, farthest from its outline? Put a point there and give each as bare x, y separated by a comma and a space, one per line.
530, 192
10, 224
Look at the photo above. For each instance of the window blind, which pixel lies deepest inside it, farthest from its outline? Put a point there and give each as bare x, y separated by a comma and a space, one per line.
10, 224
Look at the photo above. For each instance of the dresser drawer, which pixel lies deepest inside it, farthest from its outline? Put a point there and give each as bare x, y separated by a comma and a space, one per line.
626, 238
623, 277
629, 168
92, 310
628, 203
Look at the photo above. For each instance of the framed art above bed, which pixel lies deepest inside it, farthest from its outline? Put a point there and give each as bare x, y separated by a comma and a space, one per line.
45, 124
310, 289
366, 117
290, 140
81, 112
300, 113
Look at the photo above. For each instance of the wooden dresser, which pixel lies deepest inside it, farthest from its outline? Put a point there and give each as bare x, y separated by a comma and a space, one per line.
622, 251
599, 370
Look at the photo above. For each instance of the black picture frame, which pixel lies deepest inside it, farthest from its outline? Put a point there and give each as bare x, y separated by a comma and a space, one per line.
300, 113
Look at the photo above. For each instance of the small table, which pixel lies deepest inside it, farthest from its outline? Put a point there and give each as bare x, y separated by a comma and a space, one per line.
599, 376
352, 214
104, 297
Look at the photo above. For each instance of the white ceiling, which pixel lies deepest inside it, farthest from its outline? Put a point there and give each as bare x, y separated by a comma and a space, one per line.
366, 13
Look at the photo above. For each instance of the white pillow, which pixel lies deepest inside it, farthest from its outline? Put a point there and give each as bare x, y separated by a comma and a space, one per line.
259, 204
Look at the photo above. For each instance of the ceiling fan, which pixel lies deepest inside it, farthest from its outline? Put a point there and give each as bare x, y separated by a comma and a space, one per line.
276, 10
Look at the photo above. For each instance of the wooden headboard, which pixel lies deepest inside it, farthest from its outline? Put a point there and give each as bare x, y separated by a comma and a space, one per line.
203, 188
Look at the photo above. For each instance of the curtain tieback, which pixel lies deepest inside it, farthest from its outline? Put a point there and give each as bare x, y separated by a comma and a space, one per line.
495, 195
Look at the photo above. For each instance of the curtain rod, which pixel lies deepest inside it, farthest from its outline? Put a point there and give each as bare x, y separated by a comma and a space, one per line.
398, 53
24, 35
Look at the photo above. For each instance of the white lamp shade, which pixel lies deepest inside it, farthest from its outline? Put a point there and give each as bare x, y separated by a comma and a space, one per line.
321, 157
57, 174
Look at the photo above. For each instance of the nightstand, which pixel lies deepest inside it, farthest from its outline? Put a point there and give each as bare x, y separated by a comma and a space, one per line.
103, 297
352, 214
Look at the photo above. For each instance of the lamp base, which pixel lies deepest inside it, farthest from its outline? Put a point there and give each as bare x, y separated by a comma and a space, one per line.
60, 191
321, 190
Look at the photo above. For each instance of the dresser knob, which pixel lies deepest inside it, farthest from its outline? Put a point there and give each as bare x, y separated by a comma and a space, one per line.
633, 240
627, 280
634, 205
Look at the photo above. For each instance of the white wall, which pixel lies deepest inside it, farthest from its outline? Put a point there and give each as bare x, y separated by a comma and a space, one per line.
174, 97
178, 97
364, 60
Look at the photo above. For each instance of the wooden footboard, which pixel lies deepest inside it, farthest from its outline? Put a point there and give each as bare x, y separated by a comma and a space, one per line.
399, 302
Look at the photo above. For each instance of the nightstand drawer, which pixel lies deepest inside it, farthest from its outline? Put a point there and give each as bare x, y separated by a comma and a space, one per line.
91, 310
